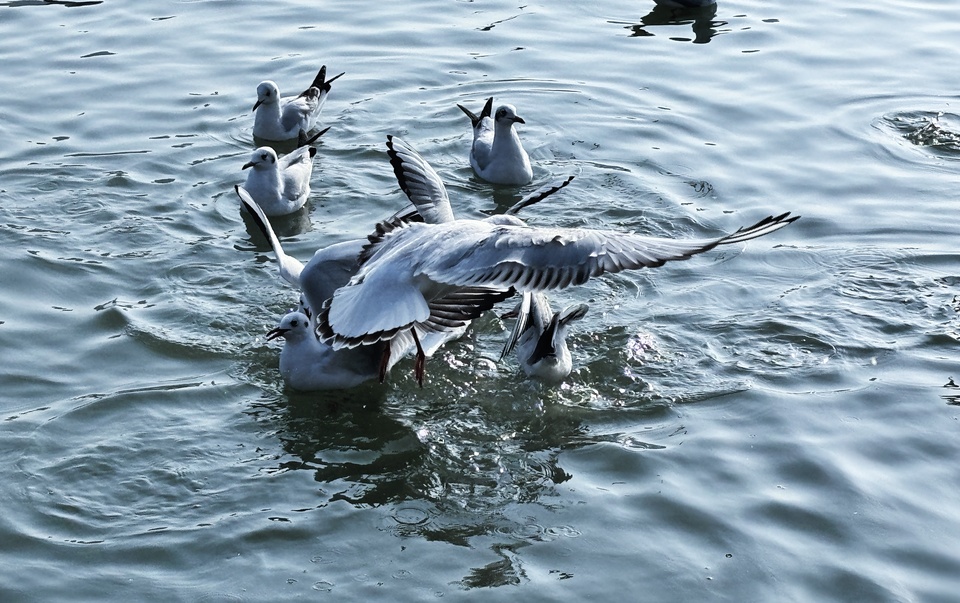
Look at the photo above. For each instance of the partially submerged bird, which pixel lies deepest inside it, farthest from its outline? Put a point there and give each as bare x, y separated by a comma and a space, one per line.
497, 155
279, 118
540, 337
307, 364
280, 185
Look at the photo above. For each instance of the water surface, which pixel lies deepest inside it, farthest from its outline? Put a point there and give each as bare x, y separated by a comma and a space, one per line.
771, 422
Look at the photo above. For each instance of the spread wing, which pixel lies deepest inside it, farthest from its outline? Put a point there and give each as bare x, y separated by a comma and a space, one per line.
414, 265
290, 268
540, 259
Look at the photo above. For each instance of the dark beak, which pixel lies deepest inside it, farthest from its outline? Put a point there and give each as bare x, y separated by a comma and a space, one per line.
277, 332
248, 164
256, 104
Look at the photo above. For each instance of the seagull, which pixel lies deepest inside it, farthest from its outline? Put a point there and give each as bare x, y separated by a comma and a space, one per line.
278, 119
497, 155
306, 364
280, 186
416, 277
425, 189
539, 337
330, 268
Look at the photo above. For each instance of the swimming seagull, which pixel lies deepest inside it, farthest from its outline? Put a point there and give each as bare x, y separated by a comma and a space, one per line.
278, 119
497, 154
306, 364
539, 337
280, 186
415, 278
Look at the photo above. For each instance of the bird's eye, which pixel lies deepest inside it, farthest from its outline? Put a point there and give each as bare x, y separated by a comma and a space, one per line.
263, 156
294, 323
501, 113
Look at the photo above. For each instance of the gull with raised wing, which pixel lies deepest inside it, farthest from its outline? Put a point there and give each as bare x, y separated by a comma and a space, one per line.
280, 185
330, 267
279, 118
416, 277
497, 155
540, 337
426, 191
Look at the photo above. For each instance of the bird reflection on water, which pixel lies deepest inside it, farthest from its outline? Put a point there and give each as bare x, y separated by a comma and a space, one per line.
701, 18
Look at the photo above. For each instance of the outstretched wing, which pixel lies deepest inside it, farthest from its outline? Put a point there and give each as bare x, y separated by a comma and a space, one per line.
540, 259
538, 195
290, 268
413, 266
420, 182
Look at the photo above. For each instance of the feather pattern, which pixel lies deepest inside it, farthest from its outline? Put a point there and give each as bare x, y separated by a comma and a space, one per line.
413, 264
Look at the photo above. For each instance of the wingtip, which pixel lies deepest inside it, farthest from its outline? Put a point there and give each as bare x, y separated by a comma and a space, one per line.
487, 108
252, 208
474, 120
303, 141
538, 195
765, 226
318, 80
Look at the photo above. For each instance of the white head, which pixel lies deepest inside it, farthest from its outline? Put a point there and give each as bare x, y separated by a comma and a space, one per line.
507, 115
267, 93
262, 158
295, 326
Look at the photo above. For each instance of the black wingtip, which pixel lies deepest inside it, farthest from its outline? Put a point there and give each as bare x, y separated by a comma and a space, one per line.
257, 216
474, 120
321, 76
303, 141
765, 226
326, 84
538, 195
487, 109
397, 163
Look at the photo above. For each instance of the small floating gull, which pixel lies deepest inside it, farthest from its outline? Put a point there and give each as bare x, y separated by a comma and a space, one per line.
306, 364
434, 274
278, 119
540, 337
497, 154
280, 185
